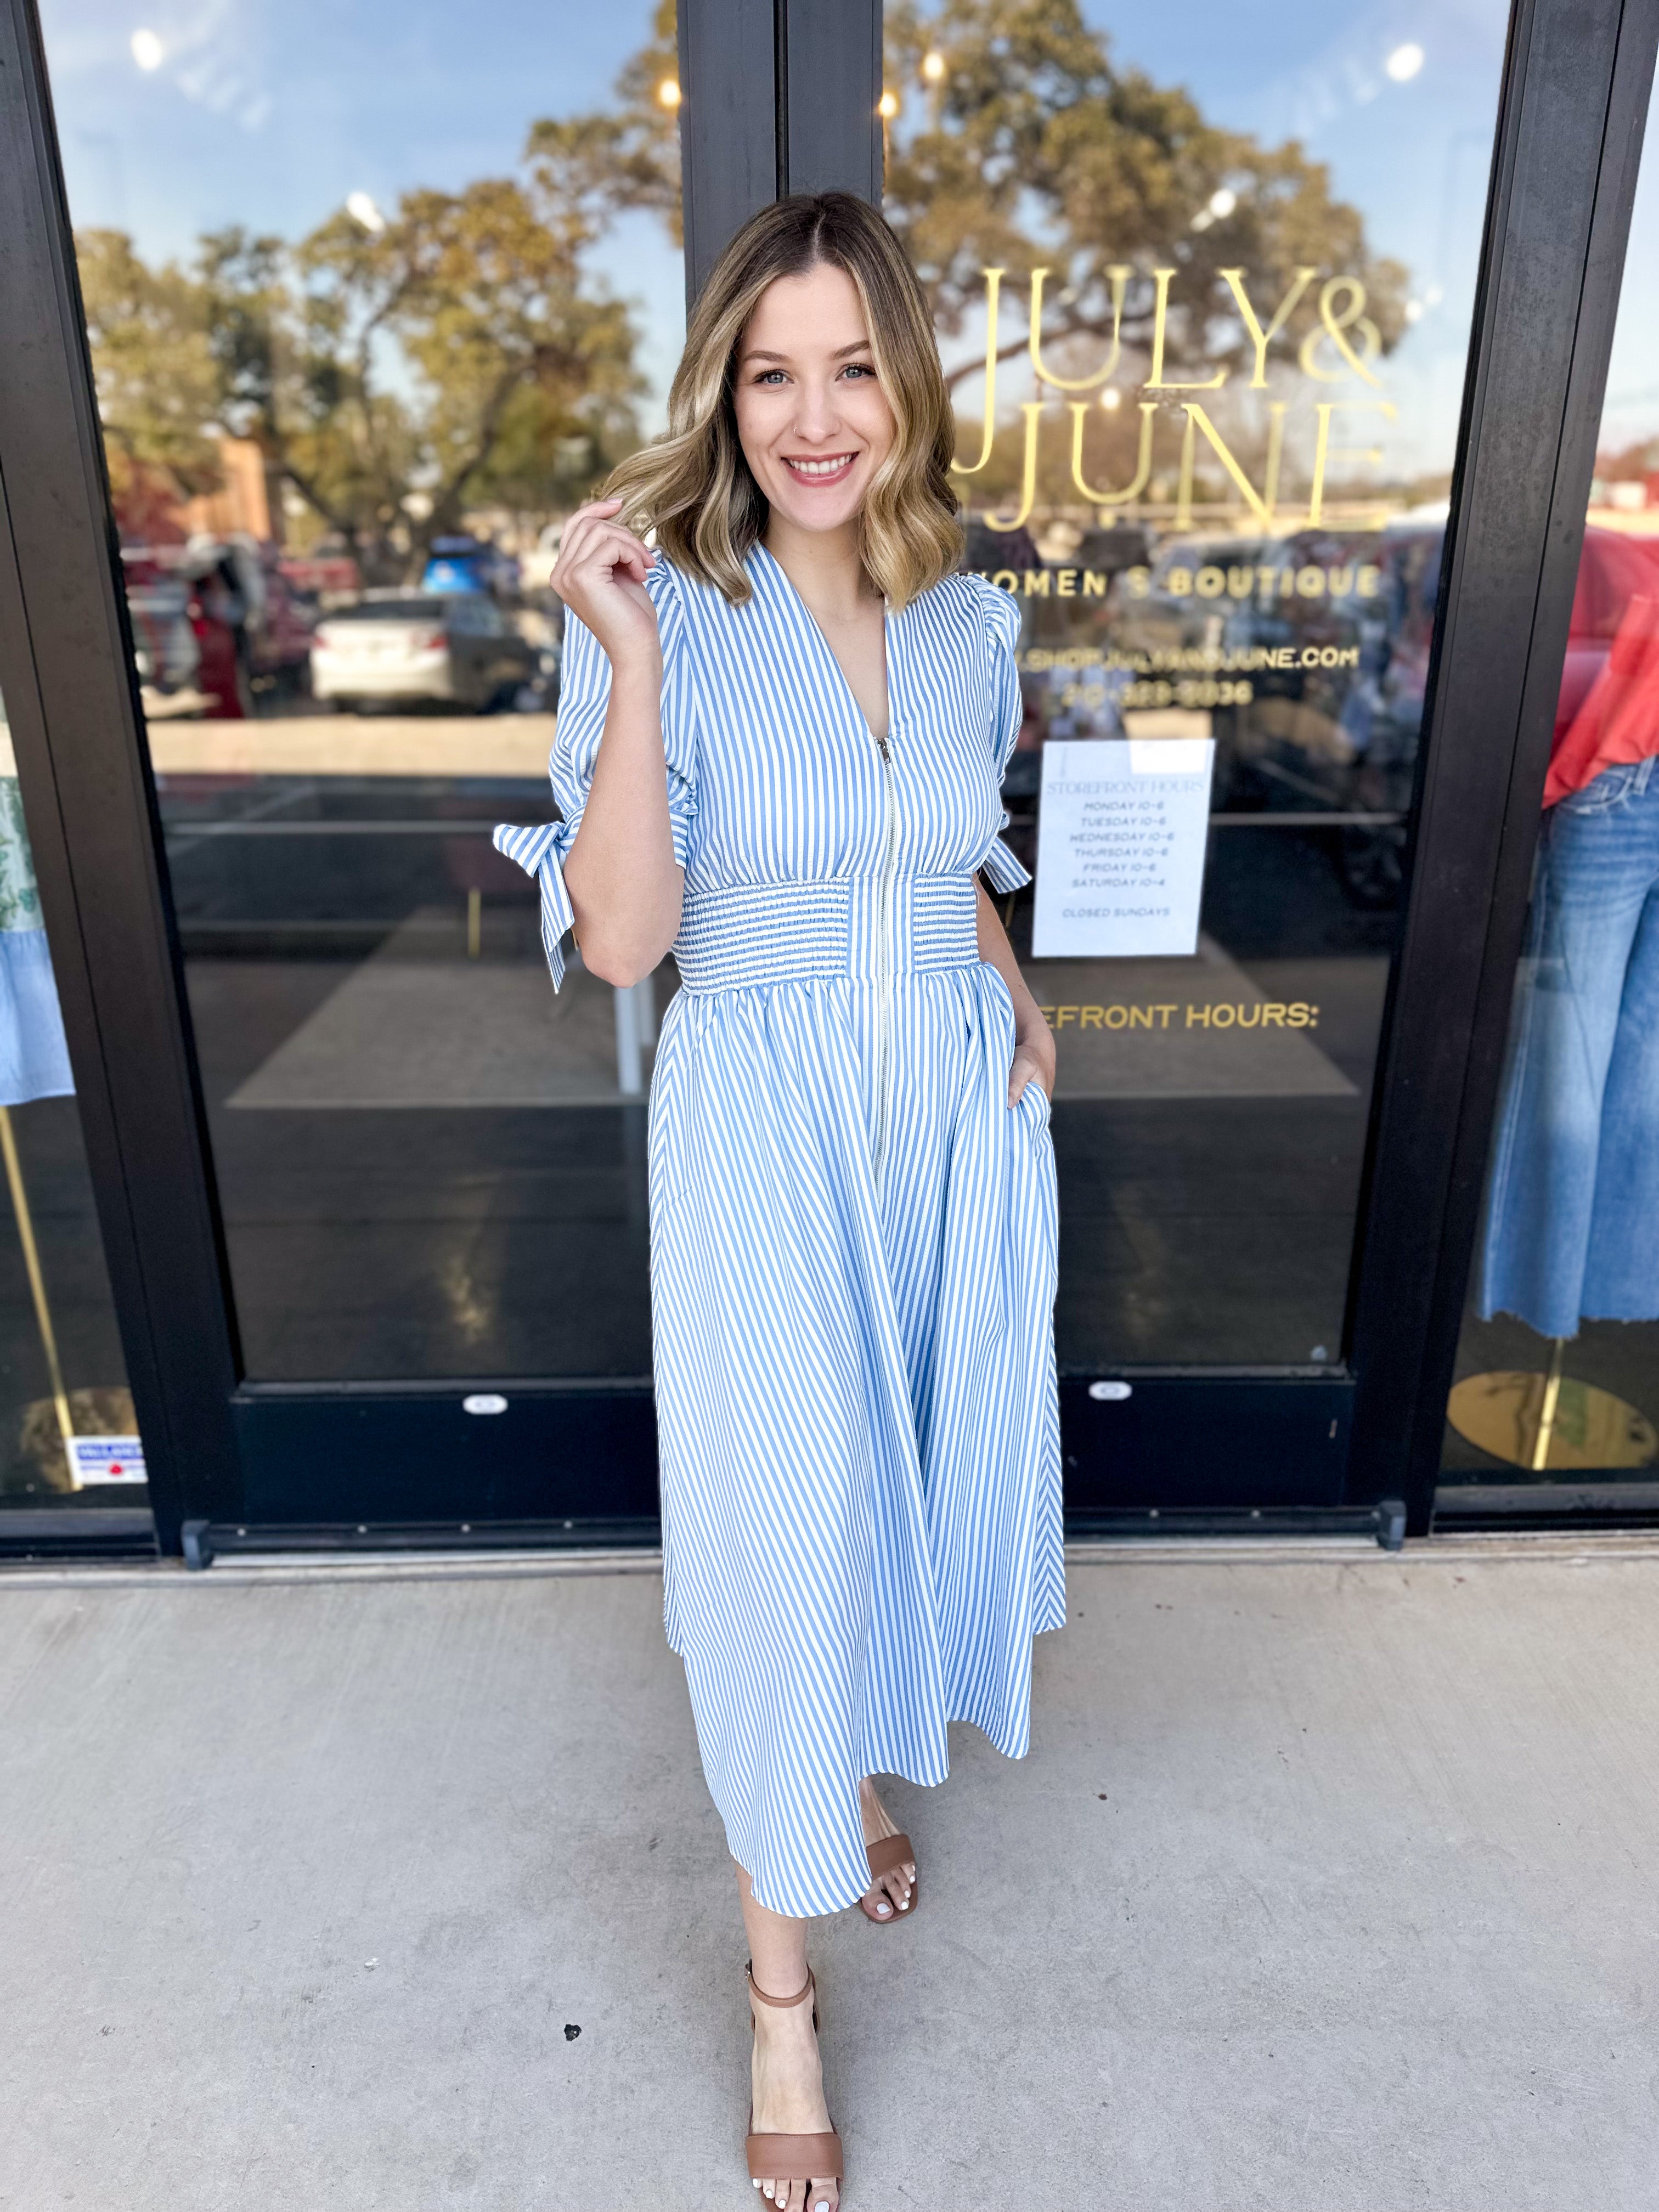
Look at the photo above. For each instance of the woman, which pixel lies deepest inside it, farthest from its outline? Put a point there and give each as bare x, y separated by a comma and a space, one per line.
780, 739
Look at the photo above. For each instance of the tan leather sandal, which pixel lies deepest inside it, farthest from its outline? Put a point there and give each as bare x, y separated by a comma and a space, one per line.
805, 2158
892, 1851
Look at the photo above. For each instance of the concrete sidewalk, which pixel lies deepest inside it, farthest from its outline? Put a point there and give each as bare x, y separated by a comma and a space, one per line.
1331, 1885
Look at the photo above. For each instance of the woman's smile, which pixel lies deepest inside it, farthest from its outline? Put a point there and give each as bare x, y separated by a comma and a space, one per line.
829, 469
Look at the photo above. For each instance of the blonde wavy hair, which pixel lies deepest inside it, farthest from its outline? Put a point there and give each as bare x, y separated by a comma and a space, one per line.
692, 486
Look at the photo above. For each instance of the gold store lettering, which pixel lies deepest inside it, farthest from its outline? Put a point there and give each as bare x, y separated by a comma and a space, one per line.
1361, 579
1327, 355
1357, 581
1188, 659
1059, 583
1269, 1014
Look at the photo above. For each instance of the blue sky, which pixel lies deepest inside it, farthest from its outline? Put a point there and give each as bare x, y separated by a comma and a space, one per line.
1632, 412
274, 110
1412, 156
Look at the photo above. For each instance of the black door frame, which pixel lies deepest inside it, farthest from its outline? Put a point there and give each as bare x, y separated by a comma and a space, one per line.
1511, 781
780, 96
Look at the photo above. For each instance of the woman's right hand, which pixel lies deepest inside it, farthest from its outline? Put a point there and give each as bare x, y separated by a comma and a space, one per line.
600, 575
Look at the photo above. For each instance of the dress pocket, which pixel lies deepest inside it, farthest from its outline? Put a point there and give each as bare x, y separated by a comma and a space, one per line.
1036, 1114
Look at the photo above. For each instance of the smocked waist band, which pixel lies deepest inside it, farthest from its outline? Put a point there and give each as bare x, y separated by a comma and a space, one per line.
792, 933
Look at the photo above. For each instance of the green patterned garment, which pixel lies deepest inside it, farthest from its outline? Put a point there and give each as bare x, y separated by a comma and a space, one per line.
20, 901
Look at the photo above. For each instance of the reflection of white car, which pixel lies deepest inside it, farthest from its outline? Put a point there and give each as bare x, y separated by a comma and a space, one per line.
165, 651
409, 645
536, 570
164, 643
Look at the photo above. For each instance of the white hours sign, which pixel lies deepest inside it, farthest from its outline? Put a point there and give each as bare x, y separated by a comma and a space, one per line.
1120, 844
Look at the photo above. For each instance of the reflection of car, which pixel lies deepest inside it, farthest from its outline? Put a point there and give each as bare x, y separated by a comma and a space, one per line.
164, 643
538, 565
1343, 736
1150, 615
280, 625
469, 564
321, 574
415, 645
1286, 641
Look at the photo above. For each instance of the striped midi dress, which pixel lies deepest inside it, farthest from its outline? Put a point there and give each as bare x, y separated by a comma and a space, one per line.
853, 1234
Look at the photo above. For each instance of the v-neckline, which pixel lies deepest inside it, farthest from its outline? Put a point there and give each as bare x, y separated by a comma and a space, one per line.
884, 738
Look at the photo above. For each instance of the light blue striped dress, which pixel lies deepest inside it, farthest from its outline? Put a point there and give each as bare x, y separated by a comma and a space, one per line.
853, 1236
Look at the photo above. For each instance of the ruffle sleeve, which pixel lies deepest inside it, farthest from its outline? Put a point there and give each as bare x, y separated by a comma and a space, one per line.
1001, 617
584, 697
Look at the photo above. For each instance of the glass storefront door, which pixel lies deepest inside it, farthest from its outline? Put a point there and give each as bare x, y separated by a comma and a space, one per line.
1204, 284
374, 298
1556, 1400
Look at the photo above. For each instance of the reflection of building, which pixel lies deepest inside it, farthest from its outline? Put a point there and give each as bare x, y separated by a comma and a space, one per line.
244, 504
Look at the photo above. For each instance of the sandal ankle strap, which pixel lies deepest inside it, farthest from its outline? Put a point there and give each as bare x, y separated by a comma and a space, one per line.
783, 2003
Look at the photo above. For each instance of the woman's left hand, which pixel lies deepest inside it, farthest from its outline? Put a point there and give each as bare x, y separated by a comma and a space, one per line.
1033, 1062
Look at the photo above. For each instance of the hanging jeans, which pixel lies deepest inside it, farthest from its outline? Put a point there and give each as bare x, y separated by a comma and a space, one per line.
1572, 1225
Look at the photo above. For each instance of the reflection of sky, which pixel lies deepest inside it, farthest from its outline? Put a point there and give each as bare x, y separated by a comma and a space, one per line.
1413, 158
1632, 412
270, 112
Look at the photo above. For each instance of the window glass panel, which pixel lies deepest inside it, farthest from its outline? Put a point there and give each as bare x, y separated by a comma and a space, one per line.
68, 1434
376, 294
1203, 281
1557, 1367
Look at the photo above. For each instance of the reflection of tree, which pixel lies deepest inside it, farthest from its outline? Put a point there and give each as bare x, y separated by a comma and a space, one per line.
157, 380
1022, 144
1630, 464
296, 378
449, 354
627, 156
522, 381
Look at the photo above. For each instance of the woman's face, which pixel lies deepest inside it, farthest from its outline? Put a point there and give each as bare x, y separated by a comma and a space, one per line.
812, 419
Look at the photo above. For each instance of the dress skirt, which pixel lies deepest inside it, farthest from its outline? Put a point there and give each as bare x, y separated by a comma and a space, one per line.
852, 1280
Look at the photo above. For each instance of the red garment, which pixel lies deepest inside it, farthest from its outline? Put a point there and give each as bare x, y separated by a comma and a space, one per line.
1617, 720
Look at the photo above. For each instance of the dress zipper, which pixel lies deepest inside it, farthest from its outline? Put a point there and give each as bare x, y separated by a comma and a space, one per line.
884, 958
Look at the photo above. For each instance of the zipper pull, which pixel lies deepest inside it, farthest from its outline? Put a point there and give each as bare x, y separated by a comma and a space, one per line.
887, 758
